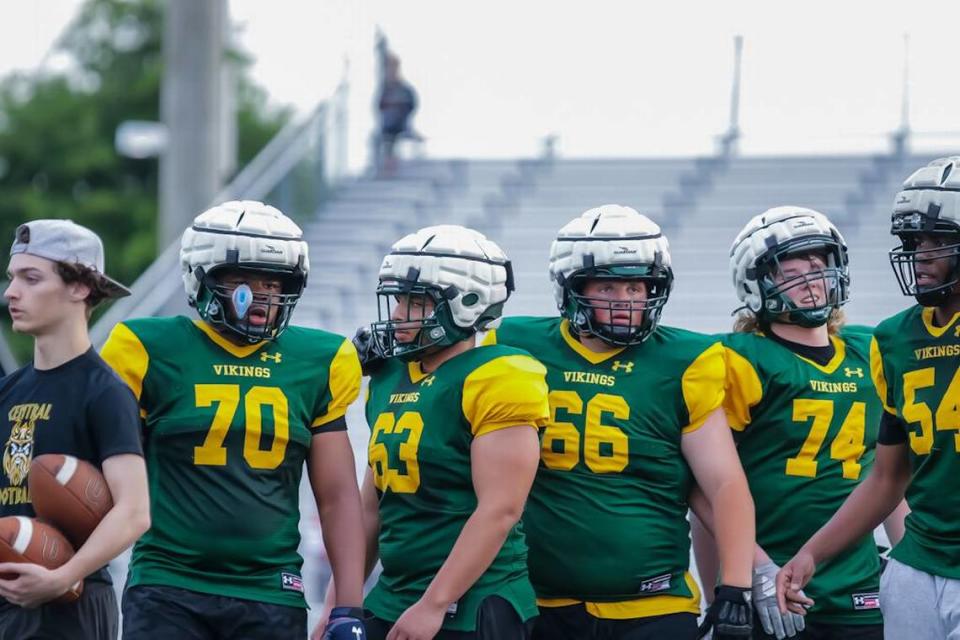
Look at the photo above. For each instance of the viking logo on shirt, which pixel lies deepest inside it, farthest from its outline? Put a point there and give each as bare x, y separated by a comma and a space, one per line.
18, 452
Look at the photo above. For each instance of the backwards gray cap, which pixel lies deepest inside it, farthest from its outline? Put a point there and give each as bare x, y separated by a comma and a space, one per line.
65, 241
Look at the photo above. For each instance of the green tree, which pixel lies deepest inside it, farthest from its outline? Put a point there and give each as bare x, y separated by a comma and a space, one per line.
57, 158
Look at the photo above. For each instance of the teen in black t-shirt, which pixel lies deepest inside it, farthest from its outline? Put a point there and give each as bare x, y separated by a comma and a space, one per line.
67, 401
80, 408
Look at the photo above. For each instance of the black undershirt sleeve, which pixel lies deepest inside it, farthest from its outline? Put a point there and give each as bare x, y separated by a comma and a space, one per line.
893, 430
340, 424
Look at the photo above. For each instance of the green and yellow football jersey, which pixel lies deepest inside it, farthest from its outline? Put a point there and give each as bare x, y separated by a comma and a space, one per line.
422, 429
915, 368
606, 518
806, 434
226, 432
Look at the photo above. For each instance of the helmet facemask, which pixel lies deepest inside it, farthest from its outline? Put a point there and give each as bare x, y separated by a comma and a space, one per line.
233, 308
581, 310
777, 304
905, 258
434, 330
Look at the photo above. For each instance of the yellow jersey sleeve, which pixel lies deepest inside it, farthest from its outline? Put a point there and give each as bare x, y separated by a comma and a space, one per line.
879, 379
743, 390
344, 384
127, 356
703, 386
506, 392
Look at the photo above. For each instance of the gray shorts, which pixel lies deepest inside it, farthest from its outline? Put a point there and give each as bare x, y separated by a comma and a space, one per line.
918, 605
93, 617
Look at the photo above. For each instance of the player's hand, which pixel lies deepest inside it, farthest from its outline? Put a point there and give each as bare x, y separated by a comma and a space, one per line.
785, 625
731, 615
422, 621
371, 359
33, 584
793, 577
322, 621
344, 623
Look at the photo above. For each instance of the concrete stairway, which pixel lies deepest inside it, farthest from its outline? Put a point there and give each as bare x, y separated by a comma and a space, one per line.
350, 235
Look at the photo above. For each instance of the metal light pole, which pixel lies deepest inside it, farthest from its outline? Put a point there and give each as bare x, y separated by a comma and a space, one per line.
728, 142
191, 107
901, 136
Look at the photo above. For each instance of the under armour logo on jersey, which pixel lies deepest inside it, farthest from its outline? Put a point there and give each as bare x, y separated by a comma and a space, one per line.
847, 371
428, 381
276, 357
626, 367
291, 582
866, 601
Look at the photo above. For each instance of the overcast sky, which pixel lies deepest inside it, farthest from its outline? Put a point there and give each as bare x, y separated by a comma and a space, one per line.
610, 78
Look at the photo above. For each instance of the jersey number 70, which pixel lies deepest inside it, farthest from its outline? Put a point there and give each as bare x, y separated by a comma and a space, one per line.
227, 396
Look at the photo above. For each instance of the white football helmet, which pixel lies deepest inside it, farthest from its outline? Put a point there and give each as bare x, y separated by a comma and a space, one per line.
245, 236
610, 242
467, 276
928, 204
780, 233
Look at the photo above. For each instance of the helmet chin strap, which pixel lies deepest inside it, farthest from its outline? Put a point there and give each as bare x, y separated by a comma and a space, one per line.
607, 333
580, 318
435, 337
436, 333
940, 294
934, 297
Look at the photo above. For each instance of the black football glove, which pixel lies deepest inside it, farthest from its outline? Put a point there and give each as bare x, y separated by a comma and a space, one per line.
731, 615
345, 623
368, 350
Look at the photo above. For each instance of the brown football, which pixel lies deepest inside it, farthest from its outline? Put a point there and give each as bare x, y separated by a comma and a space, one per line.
25, 539
69, 493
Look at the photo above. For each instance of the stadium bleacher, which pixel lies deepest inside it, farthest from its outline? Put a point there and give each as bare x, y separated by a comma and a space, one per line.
701, 205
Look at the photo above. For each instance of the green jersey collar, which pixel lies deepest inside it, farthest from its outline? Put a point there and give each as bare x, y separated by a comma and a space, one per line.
932, 329
592, 357
226, 345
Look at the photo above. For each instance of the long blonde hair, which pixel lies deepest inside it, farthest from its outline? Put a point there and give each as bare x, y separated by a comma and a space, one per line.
748, 322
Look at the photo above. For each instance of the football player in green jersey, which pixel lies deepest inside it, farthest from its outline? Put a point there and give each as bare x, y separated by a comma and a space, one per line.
233, 404
913, 359
636, 419
805, 416
453, 449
